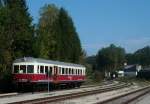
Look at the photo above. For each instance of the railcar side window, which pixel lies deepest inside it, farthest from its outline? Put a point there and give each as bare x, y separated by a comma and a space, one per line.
76, 71
46, 70
16, 68
30, 69
41, 69
60, 70
66, 70
38, 69
22, 69
69, 70
72, 71
50, 70
63, 71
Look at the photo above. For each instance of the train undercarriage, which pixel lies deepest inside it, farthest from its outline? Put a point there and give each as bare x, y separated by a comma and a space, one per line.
31, 87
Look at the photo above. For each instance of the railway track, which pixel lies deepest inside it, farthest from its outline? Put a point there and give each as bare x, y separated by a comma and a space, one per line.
127, 98
85, 86
72, 95
8, 94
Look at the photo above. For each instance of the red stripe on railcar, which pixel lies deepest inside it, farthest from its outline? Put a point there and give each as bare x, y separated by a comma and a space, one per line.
70, 77
58, 78
31, 77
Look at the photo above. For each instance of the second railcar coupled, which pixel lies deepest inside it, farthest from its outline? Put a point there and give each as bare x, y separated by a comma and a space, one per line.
35, 71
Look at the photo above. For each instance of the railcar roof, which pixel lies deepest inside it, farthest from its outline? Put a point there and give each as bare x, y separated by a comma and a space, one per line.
39, 60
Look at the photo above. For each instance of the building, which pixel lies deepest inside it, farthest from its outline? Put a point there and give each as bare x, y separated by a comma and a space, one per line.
120, 73
131, 70
144, 73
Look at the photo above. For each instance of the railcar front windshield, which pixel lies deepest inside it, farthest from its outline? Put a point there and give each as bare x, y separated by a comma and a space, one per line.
16, 68
23, 69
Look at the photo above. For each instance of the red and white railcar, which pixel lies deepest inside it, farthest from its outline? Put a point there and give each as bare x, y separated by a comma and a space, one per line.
41, 71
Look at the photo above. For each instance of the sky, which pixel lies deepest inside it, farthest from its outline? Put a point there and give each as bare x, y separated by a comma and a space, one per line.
99, 23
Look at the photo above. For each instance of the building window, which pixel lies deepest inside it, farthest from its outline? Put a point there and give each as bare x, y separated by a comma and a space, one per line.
22, 68
30, 69
16, 68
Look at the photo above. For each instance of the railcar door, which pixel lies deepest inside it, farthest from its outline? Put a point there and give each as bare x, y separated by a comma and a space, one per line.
55, 74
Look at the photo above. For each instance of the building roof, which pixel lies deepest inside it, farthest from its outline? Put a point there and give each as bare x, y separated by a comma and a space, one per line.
128, 66
148, 68
39, 60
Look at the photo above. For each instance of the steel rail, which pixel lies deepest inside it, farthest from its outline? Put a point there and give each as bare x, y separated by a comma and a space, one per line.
8, 94
70, 96
18, 94
127, 97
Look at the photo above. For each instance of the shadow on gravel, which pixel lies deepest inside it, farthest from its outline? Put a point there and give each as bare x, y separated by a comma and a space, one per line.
6, 86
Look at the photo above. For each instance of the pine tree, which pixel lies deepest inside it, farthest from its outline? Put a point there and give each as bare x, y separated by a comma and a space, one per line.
71, 47
57, 38
16, 33
47, 33
5, 43
21, 28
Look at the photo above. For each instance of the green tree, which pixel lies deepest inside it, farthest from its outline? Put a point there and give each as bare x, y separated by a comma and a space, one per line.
71, 46
48, 33
16, 33
142, 56
57, 38
20, 28
130, 58
5, 43
110, 58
